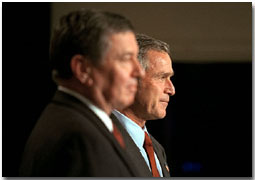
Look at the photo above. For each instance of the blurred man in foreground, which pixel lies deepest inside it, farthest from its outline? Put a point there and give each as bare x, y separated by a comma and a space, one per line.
94, 62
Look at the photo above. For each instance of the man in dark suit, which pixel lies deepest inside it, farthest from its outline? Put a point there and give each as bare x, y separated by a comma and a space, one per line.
94, 62
153, 95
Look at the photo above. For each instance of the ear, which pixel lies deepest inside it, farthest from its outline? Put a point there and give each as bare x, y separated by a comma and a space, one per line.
81, 68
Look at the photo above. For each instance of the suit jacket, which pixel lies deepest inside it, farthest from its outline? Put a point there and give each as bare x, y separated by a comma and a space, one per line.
137, 157
70, 140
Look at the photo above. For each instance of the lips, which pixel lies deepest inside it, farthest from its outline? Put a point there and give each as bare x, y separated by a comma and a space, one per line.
133, 88
133, 85
164, 104
165, 101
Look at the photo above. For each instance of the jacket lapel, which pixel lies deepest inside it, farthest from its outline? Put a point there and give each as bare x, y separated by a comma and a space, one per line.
162, 159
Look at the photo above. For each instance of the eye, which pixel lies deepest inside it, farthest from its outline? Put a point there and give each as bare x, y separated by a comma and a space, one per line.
164, 77
126, 58
161, 78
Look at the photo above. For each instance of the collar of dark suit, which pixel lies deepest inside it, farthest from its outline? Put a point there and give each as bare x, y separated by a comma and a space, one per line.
99, 112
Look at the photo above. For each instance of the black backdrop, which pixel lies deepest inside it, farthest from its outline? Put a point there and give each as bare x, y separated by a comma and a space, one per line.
208, 127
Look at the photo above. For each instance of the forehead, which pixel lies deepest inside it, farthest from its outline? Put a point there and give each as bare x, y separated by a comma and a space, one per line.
123, 41
159, 62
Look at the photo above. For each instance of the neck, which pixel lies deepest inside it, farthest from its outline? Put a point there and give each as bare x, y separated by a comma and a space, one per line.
96, 96
91, 93
131, 115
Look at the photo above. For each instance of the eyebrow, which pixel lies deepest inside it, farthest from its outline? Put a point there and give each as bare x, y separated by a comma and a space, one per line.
168, 74
127, 54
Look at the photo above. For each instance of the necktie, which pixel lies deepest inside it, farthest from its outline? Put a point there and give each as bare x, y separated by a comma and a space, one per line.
118, 136
150, 152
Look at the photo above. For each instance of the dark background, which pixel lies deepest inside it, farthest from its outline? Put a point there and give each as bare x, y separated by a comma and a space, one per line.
208, 127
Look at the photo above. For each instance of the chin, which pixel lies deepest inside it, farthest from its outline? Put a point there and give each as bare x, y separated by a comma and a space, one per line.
158, 116
131, 100
161, 115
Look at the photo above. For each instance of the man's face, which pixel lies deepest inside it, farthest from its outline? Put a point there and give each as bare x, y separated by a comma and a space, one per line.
155, 89
117, 76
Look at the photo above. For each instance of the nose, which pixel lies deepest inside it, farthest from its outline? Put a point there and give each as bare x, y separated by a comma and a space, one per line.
138, 70
170, 89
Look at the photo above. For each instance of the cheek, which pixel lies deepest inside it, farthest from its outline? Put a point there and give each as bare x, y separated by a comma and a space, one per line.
122, 92
149, 96
120, 86
155, 94
121, 73
120, 81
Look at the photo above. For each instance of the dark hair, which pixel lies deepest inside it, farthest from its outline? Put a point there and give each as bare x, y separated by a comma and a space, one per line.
147, 43
83, 32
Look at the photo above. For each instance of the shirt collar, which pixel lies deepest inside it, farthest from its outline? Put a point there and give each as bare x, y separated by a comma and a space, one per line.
133, 129
100, 113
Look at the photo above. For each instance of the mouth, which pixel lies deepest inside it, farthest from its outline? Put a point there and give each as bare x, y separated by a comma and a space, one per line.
165, 102
132, 88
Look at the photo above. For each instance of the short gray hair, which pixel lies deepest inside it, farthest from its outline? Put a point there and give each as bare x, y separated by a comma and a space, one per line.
147, 43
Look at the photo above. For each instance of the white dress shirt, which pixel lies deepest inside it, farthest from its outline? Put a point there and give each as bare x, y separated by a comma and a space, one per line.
99, 112
138, 136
